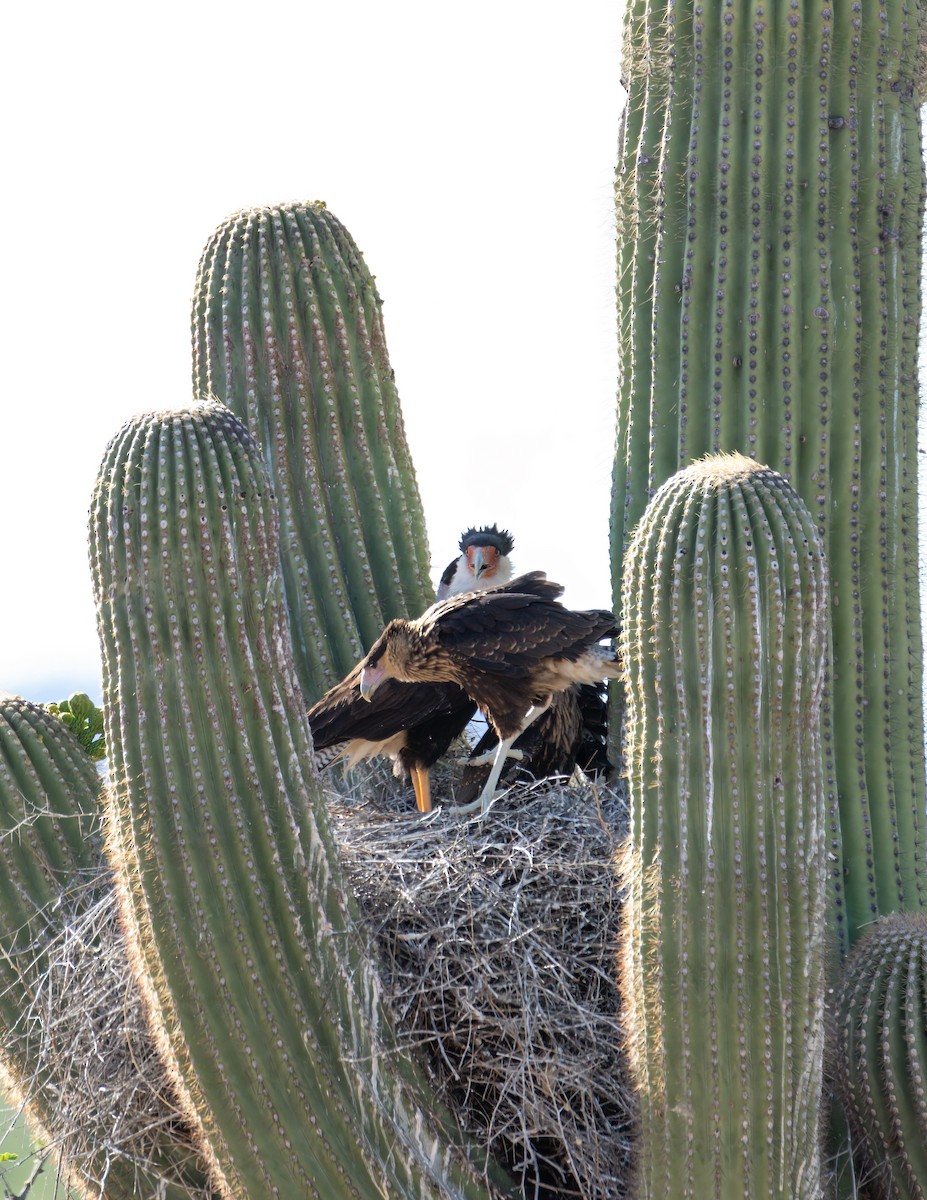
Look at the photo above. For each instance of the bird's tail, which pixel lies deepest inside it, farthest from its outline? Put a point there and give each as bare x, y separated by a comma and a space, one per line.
329, 755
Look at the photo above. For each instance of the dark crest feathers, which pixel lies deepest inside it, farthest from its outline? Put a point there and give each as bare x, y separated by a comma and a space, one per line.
489, 535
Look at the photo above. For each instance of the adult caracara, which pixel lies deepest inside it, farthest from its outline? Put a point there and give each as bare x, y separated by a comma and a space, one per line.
571, 733
511, 648
484, 561
413, 724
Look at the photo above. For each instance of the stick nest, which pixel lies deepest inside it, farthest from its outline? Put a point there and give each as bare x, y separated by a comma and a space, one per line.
497, 939
497, 943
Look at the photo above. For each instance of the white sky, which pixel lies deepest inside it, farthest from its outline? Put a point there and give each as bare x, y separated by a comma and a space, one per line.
470, 151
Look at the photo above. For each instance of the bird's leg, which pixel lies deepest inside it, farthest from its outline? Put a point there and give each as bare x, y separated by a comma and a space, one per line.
421, 782
484, 801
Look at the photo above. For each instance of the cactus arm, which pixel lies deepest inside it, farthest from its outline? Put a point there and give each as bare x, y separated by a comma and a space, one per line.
49, 826
288, 332
791, 336
380, 463
725, 640
237, 360
258, 973
881, 1055
55, 956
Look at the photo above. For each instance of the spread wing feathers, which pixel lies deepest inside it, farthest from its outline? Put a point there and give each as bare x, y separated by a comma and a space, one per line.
508, 630
343, 714
572, 732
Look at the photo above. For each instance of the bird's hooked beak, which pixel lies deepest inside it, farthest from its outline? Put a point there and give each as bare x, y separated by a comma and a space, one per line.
482, 560
370, 680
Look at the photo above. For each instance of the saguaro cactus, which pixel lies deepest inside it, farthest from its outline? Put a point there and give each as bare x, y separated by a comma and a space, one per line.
769, 197
259, 975
724, 610
881, 1055
49, 826
288, 333
107, 1109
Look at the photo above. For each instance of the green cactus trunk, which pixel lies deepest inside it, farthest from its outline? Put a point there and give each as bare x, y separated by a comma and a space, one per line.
259, 975
725, 637
49, 836
288, 333
769, 200
52, 876
881, 1055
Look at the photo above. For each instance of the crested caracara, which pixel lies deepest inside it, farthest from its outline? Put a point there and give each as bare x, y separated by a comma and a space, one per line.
511, 648
413, 724
571, 733
484, 561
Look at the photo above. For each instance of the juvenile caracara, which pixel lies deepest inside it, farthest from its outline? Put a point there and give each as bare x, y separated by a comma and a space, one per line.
413, 724
511, 648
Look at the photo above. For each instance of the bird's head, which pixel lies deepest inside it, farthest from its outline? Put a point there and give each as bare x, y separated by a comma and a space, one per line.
389, 658
484, 558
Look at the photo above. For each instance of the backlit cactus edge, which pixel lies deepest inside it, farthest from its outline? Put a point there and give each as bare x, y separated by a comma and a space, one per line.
784, 329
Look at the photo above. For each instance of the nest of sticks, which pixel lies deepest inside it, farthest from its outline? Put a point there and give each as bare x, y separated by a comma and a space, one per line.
497, 940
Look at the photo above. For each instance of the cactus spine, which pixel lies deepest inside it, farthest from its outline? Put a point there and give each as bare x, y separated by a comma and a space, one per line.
259, 975
769, 198
881, 1056
725, 637
52, 877
288, 333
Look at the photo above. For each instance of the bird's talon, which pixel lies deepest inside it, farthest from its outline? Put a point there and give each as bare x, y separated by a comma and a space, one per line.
485, 760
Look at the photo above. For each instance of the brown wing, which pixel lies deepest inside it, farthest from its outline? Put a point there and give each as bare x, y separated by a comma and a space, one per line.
533, 583
343, 714
506, 632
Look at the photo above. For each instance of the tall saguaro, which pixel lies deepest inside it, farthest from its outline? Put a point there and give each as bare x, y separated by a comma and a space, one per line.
770, 193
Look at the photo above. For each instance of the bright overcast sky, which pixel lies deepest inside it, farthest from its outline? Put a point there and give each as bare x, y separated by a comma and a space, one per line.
470, 151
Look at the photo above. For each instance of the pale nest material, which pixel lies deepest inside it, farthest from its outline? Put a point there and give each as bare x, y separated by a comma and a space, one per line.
97, 1083
497, 940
